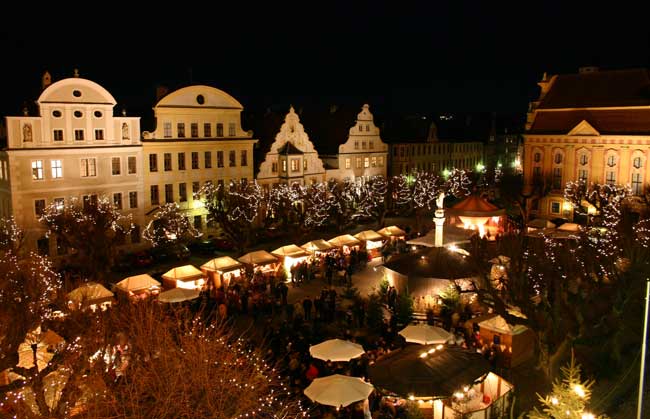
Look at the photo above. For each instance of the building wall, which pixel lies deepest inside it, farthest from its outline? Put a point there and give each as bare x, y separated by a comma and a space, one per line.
69, 151
434, 157
203, 123
309, 167
364, 154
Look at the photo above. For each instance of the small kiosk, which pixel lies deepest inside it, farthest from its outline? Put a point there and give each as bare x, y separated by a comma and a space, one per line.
220, 272
138, 287
345, 242
91, 295
392, 233
290, 255
187, 277
373, 242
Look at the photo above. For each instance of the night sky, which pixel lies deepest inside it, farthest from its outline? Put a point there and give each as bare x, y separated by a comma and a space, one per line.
400, 56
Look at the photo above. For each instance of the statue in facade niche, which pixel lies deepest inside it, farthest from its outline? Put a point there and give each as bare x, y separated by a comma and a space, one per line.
27, 133
125, 131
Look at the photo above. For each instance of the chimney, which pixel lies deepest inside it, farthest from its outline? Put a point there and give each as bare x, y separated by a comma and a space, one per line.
588, 69
76, 73
161, 91
46, 80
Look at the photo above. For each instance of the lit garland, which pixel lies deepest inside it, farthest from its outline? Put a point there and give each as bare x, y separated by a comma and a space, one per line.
370, 197
169, 225
458, 183
11, 236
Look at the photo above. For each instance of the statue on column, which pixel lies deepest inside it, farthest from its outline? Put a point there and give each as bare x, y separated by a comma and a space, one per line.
440, 200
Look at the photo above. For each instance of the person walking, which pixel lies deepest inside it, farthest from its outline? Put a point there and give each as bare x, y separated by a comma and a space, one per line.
306, 306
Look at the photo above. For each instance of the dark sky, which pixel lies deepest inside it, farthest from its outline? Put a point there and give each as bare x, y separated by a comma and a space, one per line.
405, 56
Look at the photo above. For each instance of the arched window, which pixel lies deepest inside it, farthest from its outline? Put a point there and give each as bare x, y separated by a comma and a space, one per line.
637, 173
537, 157
558, 158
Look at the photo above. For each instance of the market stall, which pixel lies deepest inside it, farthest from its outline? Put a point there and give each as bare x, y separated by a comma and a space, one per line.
392, 233
516, 343
222, 271
187, 277
373, 242
290, 255
477, 214
138, 287
90, 295
260, 260
317, 246
345, 242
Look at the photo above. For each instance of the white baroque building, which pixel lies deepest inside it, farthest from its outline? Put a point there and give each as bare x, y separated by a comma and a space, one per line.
74, 148
198, 138
292, 157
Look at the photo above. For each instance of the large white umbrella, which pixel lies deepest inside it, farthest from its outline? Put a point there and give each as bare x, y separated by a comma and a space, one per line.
338, 390
176, 295
425, 334
336, 350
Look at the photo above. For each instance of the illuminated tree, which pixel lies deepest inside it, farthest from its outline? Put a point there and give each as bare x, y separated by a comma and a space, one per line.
458, 183
342, 199
234, 209
170, 225
93, 230
568, 399
316, 206
426, 189
11, 236
371, 199
284, 205
401, 193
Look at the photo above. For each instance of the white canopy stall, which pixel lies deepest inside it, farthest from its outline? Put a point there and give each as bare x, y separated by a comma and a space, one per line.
91, 295
373, 241
187, 277
138, 287
291, 255
222, 271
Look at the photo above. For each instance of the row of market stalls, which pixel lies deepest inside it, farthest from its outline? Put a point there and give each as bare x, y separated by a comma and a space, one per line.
445, 380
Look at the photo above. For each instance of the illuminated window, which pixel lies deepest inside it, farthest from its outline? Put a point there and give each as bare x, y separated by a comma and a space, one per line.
194, 130
57, 135
181, 161
207, 159
195, 159
180, 130
380, 161
57, 169
347, 163
373, 162
117, 200
167, 130
116, 166
284, 165
88, 167
359, 163
295, 165
366, 162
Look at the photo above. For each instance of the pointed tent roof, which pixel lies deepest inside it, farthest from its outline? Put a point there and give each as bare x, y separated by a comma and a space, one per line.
183, 273
498, 324
222, 264
290, 250
344, 240
392, 231
475, 206
258, 257
319, 245
369, 235
88, 293
138, 282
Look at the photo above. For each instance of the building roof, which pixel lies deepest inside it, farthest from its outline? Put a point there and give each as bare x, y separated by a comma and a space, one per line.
609, 121
476, 206
288, 148
76, 90
198, 96
599, 89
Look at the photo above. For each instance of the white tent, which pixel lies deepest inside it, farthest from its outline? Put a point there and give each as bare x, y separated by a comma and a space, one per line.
344, 240
319, 245
392, 231
138, 283
425, 334
369, 235
338, 390
499, 325
89, 295
290, 250
540, 223
187, 276
176, 295
336, 350
258, 257
221, 265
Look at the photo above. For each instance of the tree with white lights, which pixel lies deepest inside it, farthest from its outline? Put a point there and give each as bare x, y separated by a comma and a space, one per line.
92, 228
342, 199
170, 225
371, 199
401, 193
11, 236
316, 206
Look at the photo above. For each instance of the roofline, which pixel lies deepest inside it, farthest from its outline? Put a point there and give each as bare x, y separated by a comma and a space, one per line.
197, 107
590, 108
195, 140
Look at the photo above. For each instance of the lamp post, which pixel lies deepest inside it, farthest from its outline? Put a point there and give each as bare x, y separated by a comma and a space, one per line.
643, 350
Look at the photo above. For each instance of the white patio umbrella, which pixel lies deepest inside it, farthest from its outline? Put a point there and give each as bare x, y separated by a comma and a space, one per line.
336, 350
176, 295
338, 390
425, 334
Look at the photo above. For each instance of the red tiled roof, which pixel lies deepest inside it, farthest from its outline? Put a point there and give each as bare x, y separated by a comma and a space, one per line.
599, 89
476, 204
618, 121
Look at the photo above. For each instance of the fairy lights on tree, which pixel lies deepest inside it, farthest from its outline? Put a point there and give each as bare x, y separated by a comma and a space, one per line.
94, 228
401, 192
169, 225
458, 183
371, 199
11, 236
317, 206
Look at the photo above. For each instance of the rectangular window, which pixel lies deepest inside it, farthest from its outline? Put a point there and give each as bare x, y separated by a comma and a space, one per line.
167, 161
637, 188
197, 222
89, 200
207, 130
194, 130
231, 129
363, 145
88, 167
366, 162
555, 207
39, 207
155, 195
99, 134
304, 164
182, 192
135, 234
610, 178
196, 186
167, 129
347, 163
232, 158
244, 158
43, 246
373, 161
380, 161
169, 193
57, 169
207, 159
180, 130
132, 165
57, 135
371, 145
153, 162
59, 203
284, 166
582, 175
133, 199
359, 163
116, 166
557, 178
78, 135
274, 167
117, 200
219, 158
295, 165
195, 159
356, 145
181, 161
219, 130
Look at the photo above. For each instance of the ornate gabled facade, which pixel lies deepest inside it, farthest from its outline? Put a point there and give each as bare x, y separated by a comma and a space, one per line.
594, 126
292, 157
364, 154
198, 138
74, 148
